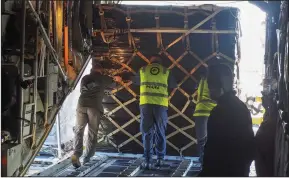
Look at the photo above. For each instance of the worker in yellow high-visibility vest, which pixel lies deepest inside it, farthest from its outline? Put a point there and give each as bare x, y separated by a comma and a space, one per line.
154, 80
202, 112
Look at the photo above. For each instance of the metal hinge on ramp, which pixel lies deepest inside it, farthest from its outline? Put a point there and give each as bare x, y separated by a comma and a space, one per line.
183, 168
132, 169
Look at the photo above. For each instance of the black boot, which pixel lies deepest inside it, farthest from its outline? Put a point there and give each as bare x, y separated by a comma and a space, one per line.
146, 165
85, 160
75, 161
159, 163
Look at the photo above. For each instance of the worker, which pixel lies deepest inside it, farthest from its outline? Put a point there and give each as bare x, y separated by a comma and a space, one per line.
202, 111
230, 146
89, 112
265, 140
154, 80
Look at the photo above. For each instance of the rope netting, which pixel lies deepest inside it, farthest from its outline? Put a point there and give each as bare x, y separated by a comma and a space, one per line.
188, 39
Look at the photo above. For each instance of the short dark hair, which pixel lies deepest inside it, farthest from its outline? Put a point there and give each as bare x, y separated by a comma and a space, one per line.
96, 64
216, 72
203, 71
220, 70
156, 58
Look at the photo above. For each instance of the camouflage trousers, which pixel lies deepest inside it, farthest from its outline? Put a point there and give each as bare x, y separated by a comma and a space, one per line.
91, 117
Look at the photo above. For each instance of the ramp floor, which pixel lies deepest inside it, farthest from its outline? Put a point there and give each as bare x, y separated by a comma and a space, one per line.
123, 165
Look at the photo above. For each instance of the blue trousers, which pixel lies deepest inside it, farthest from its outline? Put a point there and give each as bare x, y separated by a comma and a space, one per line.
153, 127
201, 134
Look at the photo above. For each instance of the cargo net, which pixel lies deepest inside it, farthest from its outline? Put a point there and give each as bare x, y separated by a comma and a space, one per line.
187, 38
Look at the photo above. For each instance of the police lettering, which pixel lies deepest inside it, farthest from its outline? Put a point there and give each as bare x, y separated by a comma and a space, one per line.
152, 86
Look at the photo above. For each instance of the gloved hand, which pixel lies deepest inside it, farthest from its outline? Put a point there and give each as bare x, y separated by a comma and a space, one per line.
26, 84
117, 78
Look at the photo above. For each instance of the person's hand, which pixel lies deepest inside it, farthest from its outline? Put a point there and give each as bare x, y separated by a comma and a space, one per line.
117, 78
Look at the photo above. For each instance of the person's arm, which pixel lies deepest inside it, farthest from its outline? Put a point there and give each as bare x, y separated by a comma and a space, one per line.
248, 133
198, 84
197, 88
83, 83
111, 81
136, 79
214, 138
172, 83
107, 80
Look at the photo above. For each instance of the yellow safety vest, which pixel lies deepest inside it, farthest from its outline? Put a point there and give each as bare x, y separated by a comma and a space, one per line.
154, 85
204, 104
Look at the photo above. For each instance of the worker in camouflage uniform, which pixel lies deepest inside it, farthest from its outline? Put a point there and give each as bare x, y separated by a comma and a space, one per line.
89, 112
202, 112
154, 80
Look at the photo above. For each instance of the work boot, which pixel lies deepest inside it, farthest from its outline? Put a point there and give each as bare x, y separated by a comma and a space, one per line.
85, 160
75, 161
146, 165
159, 163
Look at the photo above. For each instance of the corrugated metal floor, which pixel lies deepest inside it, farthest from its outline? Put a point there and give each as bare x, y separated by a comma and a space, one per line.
124, 165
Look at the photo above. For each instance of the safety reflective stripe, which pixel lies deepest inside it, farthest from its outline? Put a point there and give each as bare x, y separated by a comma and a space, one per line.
202, 112
154, 83
208, 101
153, 94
